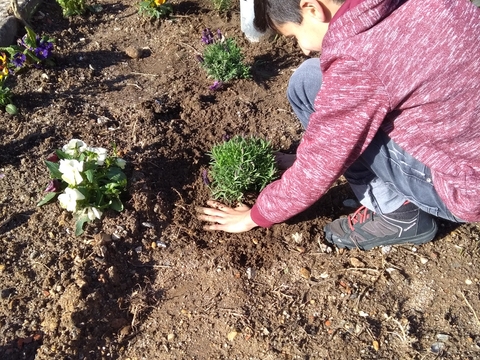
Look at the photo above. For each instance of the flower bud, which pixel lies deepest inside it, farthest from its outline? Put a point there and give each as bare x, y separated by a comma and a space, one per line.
53, 157
53, 186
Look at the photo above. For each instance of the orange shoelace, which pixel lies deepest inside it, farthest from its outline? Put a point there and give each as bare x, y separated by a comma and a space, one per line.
358, 217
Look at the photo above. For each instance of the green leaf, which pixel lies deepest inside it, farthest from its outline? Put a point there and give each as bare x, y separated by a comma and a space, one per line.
11, 109
79, 224
116, 204
90, 175
63, 155
49, 197
116, 174
53, 168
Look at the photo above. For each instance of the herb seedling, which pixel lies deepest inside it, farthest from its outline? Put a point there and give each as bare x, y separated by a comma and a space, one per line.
72, 7
241, 165
222, 59
86, 181
156, 8
221, 5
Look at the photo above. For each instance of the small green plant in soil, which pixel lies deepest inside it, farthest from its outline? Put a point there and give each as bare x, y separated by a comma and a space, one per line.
222, 5
241, 165
222, 59
72, 7
156, 8
86, 181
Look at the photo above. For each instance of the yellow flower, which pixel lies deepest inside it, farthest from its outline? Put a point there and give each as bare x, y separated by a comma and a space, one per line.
159, 2
3, 58
3, 73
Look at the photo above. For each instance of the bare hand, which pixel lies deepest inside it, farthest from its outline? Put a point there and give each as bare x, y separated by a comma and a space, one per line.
224, 218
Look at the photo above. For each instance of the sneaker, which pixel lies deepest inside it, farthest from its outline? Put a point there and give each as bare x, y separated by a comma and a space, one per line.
364, 229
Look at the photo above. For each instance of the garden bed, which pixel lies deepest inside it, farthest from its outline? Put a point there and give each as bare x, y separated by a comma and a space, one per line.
149, 283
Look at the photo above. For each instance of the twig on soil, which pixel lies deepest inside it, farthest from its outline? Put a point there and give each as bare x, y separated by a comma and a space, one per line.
191, 47
136, 85
181, 198
144, 74
363, 269
404, 336
151, 266
134, 128
45, 266
471, 308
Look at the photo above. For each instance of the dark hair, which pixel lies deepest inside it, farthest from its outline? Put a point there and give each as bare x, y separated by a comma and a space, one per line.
271, 13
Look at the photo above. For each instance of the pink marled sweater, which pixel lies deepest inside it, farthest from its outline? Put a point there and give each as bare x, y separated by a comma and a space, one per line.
412, 70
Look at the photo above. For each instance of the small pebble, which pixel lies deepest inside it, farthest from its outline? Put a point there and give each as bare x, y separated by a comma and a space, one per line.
5, 293
134, 52
437, 347
161, 244
305, 273
468, 282
147, 224
356, 263
250, 273
231, 335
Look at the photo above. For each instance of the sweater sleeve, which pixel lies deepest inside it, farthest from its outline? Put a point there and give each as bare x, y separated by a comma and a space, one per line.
349, 110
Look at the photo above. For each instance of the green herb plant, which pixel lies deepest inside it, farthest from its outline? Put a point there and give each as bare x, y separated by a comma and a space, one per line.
72, 7
222, 58
156, 8
222, 5
241, 165
86, 181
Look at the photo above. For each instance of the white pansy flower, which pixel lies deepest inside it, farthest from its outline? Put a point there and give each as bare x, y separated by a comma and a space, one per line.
121, 163
71, 170
68, 200
101, 154
74, 147
93, 213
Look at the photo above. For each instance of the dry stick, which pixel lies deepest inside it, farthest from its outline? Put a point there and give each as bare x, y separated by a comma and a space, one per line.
144, 74
191, 47
471, 308
37, 262
136, 85
362, 269
134, 135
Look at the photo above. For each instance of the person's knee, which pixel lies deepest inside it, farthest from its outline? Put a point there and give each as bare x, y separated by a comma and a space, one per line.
301, 80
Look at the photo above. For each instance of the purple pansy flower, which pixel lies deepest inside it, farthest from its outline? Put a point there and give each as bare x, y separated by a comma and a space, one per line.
18, 60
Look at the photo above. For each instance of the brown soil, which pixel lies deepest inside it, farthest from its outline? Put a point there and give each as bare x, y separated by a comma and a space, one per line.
266, 294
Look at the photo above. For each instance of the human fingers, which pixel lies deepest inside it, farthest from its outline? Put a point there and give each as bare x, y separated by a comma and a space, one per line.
217, 205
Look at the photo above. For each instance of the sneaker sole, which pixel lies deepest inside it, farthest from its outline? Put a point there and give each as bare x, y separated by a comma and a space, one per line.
414, 240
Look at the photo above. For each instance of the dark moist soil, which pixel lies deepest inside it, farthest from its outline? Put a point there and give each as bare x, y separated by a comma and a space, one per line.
149, 283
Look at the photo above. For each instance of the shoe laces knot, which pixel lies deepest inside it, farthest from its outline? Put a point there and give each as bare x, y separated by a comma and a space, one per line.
358, 217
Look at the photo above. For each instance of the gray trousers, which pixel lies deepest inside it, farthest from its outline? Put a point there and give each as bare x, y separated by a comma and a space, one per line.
384, 176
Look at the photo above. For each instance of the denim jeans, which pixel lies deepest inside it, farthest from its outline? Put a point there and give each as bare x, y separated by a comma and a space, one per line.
385, 175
